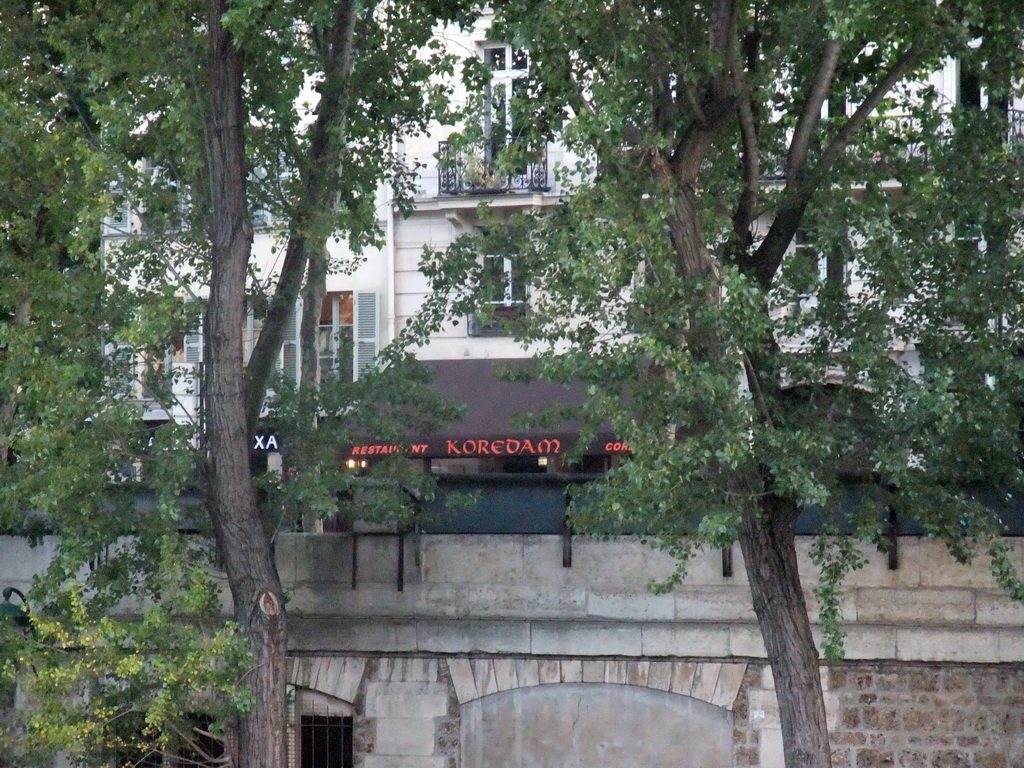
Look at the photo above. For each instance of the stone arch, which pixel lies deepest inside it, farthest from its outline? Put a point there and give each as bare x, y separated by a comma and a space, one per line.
319, 723
593, 725
335, 676
714, 683
307, 701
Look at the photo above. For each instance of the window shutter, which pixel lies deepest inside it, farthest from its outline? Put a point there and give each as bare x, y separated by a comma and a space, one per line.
290, 348
366, 325
119, 220
122, 358
194, 345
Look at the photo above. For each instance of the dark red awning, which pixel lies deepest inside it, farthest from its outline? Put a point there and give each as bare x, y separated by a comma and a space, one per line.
492, 407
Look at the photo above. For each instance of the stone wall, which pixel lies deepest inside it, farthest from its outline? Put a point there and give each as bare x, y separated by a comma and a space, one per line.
935, 675
898, 715
415, 712
411, 712
510, 595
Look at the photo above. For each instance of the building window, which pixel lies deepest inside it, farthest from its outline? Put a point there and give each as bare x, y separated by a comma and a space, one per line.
978, 87
334, 339
512, 156
320, 734
829, 268
347, 336
151, 377
508, 67
121, 365
288, 357
261, 218
504, 298
326, 741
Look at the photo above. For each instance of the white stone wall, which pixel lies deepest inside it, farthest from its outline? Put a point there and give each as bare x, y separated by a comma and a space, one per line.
510, 595
483, 615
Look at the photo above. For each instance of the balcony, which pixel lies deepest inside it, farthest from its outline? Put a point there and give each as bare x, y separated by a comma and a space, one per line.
476, 170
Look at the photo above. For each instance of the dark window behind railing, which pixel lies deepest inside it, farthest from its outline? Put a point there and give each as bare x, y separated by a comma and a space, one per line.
498, 322
475, 171
495, 503
902, 135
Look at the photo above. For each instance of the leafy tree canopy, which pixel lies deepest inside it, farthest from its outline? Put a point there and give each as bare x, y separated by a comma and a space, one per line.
105, 107
787, 265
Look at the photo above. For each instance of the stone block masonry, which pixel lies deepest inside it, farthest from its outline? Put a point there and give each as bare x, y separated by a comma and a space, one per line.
899, 716
934, 676
410, 710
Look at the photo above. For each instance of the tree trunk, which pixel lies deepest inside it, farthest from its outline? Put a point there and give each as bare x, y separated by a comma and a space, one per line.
768, 542
767, 535
243, 544
312, 302
309, 345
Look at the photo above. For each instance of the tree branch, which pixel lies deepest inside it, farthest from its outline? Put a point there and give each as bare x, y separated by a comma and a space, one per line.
664, 113
755, 389
910, 59
312, 300
765, 261
744, 214
268, 346
718, 99
810, 116
326, 152
722, 34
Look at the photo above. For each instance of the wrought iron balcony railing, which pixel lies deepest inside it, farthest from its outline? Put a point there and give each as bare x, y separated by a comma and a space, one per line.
1015, 131
476, 171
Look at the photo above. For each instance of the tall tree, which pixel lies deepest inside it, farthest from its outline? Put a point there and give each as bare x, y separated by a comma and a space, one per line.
785, 265
220, 108
69, 435
242, 539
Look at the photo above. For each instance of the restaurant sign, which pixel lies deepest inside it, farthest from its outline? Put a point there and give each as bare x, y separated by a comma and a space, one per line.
461, 447
508, 446
477, 447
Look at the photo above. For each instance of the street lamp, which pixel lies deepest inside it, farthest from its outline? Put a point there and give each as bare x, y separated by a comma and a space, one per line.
16, 613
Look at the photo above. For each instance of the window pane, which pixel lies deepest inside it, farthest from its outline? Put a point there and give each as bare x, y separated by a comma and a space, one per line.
500, 286
496, 57
345, 308
327, 310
